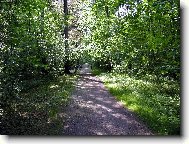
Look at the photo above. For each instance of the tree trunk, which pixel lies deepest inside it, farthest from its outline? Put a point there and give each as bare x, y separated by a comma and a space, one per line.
66, 66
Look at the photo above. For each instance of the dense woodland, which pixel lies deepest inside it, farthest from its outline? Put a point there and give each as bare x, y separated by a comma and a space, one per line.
41, 40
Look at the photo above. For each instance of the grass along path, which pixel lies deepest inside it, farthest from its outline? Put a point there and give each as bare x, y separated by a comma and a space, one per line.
158, 105
94, 111
37, 108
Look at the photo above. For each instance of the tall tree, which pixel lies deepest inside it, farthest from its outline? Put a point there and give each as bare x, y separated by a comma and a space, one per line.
67, 65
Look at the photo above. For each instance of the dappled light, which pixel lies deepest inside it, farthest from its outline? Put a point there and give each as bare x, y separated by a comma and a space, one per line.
94, 111
149, 100
38, 109
90, 67
54, 86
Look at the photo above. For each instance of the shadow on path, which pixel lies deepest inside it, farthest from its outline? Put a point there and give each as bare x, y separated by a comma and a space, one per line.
94, 111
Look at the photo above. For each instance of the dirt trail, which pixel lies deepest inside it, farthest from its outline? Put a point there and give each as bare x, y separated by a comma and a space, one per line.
94, 111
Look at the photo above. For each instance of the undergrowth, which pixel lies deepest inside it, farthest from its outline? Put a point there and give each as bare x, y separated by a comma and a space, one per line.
37, 108
156, 103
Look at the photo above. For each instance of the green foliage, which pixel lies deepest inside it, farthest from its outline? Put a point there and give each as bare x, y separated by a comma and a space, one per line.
157, 105
97, 71
145, 40
142, 42
145, 45
31, 44
37, 111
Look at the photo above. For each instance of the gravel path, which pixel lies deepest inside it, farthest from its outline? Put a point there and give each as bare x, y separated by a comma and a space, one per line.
94, 111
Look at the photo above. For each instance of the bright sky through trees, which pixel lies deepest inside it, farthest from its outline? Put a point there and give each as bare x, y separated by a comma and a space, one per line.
134, 38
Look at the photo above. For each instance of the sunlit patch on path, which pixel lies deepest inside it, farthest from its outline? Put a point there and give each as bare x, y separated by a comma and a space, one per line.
94, 111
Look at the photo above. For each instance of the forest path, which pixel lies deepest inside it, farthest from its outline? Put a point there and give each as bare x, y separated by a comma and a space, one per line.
94, 111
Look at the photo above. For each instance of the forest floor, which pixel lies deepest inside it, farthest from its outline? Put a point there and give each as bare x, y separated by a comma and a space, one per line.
104, 104
94, 111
